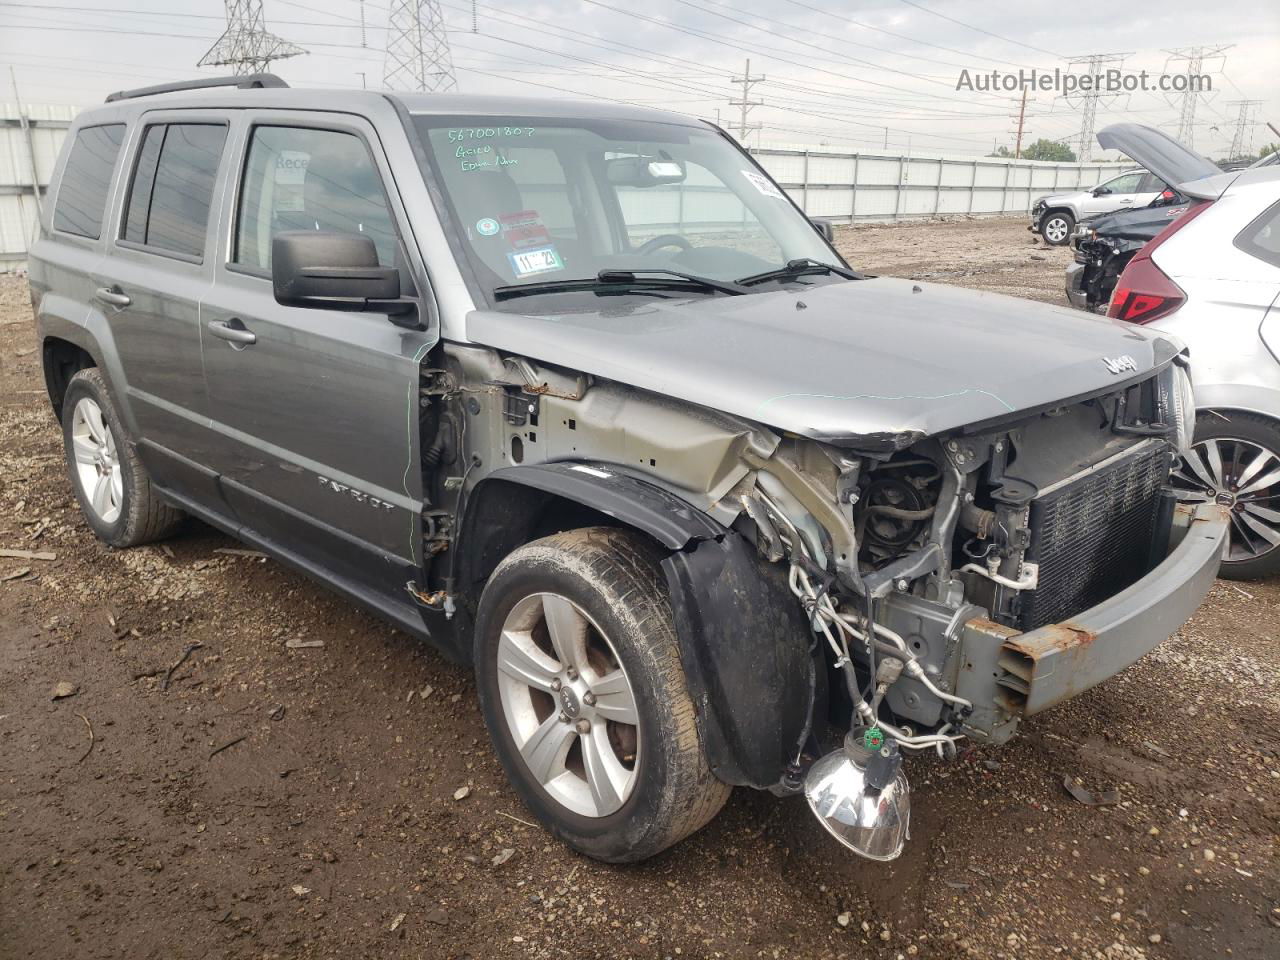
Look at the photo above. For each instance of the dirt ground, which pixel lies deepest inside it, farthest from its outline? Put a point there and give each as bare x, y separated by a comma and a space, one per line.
280, 801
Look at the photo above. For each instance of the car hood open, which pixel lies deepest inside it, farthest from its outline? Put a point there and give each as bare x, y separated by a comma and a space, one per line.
876, 360
1160, 153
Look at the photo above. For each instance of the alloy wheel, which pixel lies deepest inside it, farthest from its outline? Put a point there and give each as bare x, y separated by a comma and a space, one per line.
569, 706
1055, 229
97, 461
1243, 476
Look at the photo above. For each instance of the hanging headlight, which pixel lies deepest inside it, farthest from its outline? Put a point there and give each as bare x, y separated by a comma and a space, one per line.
860, 795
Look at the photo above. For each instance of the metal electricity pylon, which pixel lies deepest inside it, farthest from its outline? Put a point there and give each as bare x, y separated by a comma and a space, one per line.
418, 56
1095, 63
1194, 58
1242, 139
247, 46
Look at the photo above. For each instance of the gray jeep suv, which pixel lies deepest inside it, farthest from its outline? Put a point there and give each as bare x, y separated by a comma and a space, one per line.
576, 394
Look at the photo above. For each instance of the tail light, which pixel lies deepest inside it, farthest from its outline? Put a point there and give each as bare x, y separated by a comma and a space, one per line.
1144, 292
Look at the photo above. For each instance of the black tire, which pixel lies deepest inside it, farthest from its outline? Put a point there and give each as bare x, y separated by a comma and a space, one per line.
142, 518
613, 576
1266, 434
1056, 217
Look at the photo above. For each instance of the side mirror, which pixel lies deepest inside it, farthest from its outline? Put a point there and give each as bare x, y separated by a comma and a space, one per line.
825, 228
1101, 191
333, 271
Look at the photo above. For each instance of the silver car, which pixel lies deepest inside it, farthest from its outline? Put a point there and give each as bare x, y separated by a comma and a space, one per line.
576, 394
1055, 216
1212, 279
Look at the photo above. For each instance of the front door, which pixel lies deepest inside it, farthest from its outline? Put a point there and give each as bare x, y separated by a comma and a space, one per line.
316, 410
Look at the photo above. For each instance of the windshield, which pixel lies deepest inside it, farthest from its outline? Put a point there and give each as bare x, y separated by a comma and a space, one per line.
539, 200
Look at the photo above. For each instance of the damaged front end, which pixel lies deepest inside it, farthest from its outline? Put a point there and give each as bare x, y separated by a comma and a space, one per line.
962, 582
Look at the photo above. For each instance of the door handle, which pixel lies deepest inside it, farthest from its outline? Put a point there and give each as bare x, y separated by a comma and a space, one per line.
113, 296
236, 334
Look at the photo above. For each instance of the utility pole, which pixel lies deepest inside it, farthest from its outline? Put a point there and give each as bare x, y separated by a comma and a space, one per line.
745, 103
1194, 58
1242, 140
24, 123
247, 46
418, 56
1022, 115
1095, 63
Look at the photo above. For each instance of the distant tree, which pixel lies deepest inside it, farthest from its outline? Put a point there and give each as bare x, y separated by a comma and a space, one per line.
1049, 150
1268, 149
1002, 153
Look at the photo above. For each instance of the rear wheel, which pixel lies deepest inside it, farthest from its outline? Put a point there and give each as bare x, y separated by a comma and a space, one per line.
1236, 462
111, 483
1056, 227
584, 695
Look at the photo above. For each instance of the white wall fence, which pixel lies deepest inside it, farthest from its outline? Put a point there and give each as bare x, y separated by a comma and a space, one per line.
846, 187
29, 144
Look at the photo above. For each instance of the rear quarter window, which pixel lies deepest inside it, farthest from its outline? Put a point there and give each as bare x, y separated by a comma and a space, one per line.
82, 195
1261, 238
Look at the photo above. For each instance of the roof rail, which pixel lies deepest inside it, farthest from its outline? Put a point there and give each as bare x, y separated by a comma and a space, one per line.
254, 81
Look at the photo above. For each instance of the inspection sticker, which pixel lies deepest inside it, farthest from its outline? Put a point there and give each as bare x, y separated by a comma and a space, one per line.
526, 262
524, 229
487, 226
763, 184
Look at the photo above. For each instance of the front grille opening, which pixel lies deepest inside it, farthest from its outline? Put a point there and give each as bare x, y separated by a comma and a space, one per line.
1092, 536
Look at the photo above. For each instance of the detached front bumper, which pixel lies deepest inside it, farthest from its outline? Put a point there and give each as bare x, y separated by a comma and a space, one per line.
1009, 675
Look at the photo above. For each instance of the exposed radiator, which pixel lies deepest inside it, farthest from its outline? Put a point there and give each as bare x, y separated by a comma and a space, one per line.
1092, 534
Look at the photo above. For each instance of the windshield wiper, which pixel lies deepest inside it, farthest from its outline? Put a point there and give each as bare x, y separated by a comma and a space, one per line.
659, 278
802, 267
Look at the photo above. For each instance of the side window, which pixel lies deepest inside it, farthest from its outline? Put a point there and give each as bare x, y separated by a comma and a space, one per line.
1151, 184
1124, 184
1261, 238
297, 178
172, 189
82, 195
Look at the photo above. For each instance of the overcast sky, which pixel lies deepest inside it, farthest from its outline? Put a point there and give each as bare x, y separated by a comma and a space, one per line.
836, 73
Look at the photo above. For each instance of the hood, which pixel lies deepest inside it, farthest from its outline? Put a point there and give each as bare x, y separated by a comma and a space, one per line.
870, 358
1141, 224
1158, 152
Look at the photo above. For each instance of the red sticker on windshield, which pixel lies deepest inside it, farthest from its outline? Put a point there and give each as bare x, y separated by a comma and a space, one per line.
524, 230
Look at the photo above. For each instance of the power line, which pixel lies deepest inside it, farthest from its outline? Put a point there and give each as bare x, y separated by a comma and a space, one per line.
903, 36
970, 26
247, 46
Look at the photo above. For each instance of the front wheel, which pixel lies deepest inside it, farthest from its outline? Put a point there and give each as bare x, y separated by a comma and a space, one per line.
1235, 461
583, 692
1056, 227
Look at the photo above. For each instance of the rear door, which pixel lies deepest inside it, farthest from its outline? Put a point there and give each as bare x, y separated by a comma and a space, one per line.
151, 282
315, 411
